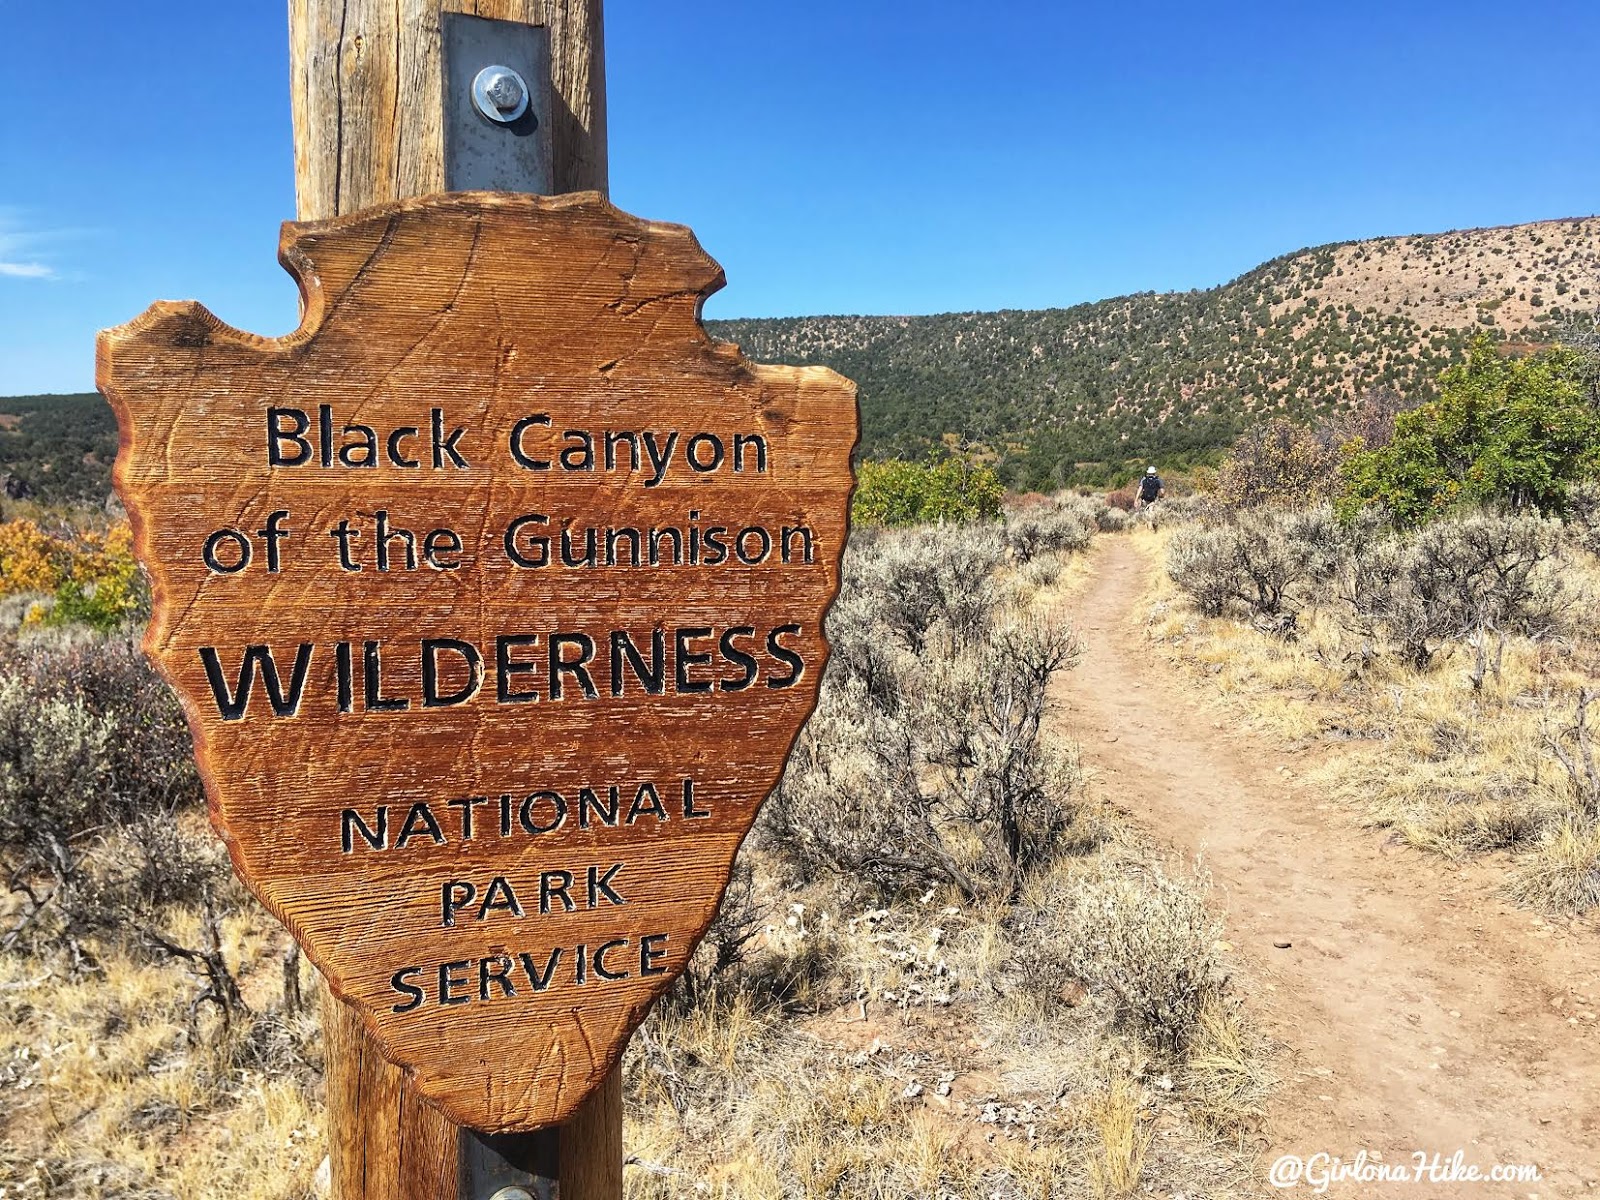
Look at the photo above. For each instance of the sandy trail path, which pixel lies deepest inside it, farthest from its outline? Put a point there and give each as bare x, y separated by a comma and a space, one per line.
1418, 1011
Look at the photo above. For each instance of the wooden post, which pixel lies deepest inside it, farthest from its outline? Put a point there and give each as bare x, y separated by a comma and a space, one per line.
366, 80
367, 85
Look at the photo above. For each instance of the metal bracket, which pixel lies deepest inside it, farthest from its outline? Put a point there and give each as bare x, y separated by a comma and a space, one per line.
497, 106
509, 1166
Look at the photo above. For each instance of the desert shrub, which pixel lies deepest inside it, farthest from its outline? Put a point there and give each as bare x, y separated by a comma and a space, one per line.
729, 941
1473, 579
992, 772
1041, 572
149, 763
1110, 520
1583, 518
953, 786
1278, 464
917, 579
155, 861
98, 828
1507, 432
1574, 748
92, 745
1147, 941
1369, 422
138, 878
1122, 499
1064, 525
924, 761
1258, 559
1200, 561
1483, 577
1190, 510
895, 492
54, 769
1367, 548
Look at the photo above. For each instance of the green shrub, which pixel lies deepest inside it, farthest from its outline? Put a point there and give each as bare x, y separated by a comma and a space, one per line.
1504, 432
895, 492
100, 607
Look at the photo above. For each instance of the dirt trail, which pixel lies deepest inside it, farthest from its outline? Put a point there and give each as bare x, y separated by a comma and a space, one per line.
1418, 1011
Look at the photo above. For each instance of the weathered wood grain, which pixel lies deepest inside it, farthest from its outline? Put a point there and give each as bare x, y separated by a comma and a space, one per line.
366, 80
626, 713
591, 1149
395, 1146
340, 144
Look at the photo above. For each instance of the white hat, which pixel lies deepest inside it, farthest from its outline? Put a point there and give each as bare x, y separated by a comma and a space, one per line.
1150, 471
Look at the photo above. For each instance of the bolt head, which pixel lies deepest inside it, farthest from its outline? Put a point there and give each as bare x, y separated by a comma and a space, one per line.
504, 91
500, 94
513, 1193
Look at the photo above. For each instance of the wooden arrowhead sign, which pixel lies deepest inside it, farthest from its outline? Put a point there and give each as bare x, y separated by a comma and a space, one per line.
494, 595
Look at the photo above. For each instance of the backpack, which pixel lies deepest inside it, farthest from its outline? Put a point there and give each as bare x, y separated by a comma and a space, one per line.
1150, 488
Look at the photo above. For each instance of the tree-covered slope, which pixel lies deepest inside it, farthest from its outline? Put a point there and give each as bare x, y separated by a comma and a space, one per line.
1077, 394
57, 449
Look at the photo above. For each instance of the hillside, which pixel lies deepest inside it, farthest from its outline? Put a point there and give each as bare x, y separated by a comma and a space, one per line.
1075, 394
1082, 394
57, 449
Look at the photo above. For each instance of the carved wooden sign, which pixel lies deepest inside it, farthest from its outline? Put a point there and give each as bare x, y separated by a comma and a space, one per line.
494, 595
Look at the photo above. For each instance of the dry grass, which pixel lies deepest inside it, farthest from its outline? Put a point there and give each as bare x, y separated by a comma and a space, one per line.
1450, 766
927, 1050
1564, 874
1227, 1077
1118, 1167
1048, 584
111, 1087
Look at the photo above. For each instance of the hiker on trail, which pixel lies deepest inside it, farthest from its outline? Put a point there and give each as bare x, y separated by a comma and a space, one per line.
1151, 488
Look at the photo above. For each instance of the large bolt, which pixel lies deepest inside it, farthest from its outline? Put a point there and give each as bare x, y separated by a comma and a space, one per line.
505, 91
513, 1193
500, 94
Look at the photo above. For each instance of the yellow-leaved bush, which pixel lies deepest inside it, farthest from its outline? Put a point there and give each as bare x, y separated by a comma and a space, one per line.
91, 575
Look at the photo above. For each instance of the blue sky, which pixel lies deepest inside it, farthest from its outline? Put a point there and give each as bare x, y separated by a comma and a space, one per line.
882, 156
